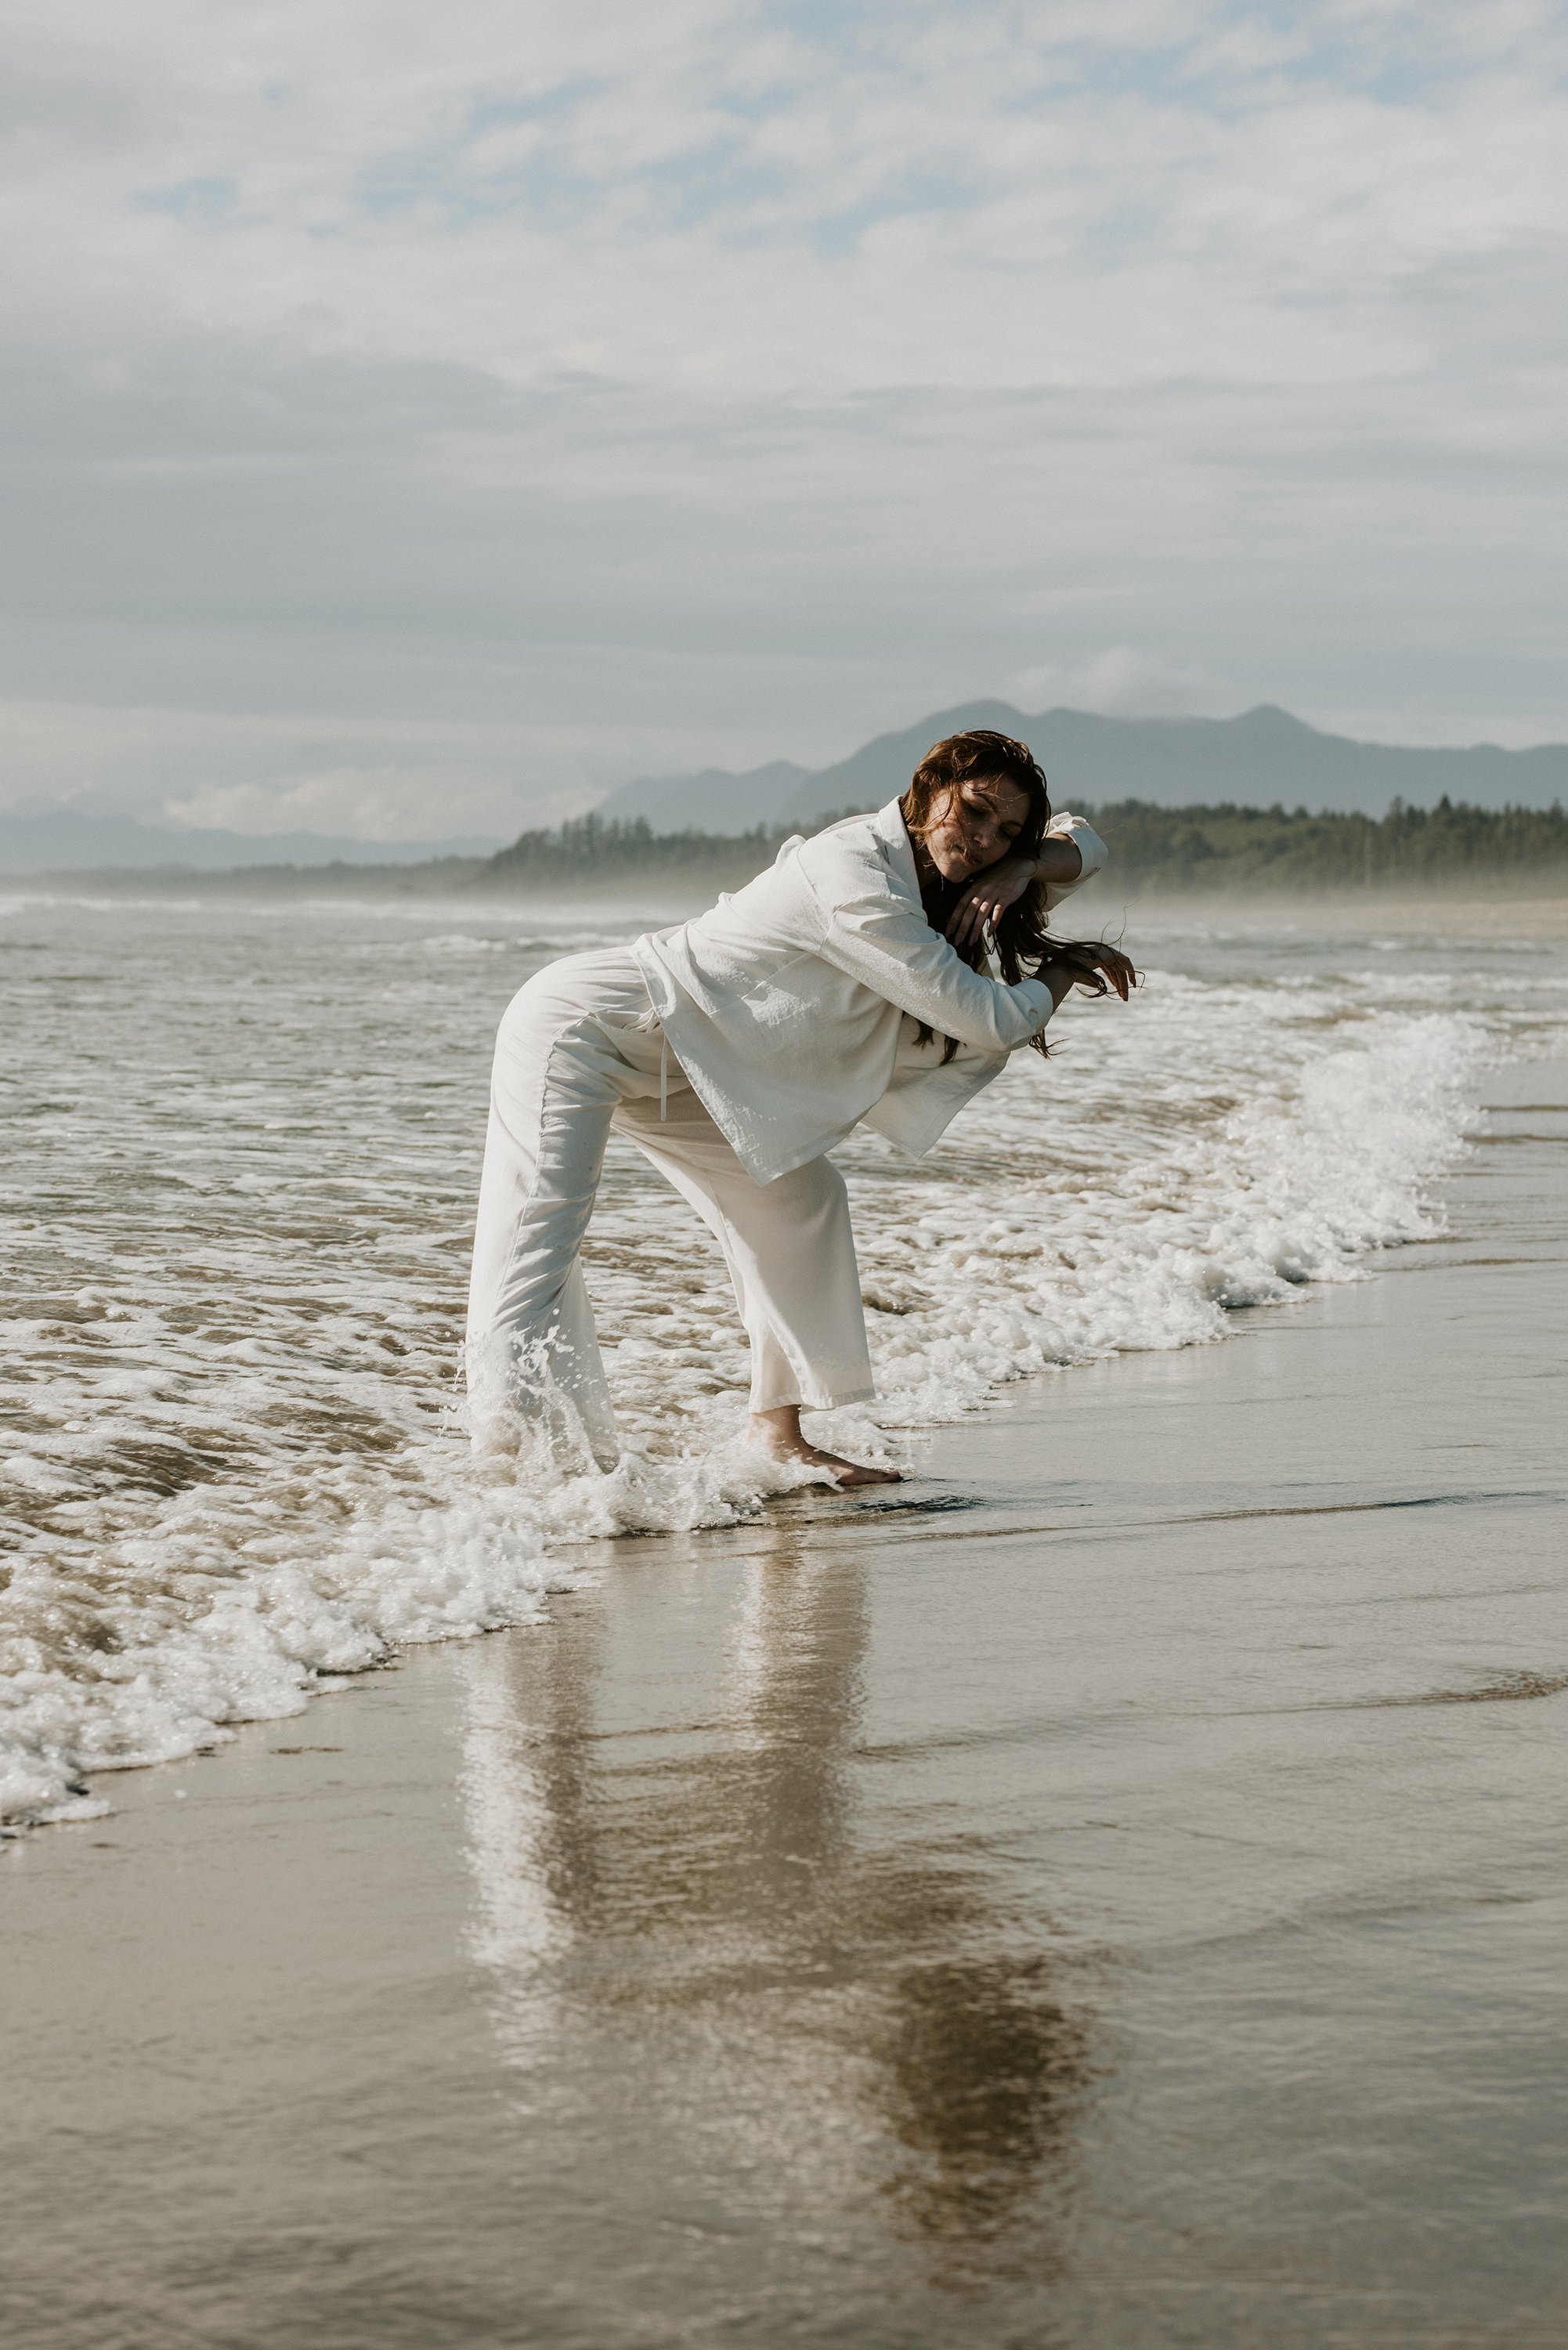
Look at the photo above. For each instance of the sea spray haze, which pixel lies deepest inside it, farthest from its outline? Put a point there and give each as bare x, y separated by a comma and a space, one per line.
243, 1149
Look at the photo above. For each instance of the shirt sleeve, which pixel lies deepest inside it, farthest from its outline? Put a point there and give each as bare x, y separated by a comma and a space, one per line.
889, 947
1089, 846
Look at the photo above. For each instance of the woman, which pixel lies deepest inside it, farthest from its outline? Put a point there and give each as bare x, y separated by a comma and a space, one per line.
847, 982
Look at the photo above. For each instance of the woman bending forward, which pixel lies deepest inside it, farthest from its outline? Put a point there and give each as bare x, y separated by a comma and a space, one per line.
848, 981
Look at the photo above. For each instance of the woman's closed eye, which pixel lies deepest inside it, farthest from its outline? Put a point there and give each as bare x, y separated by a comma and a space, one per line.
983, 810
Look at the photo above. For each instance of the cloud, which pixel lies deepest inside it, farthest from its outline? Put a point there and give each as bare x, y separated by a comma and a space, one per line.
1121, 683
444, 413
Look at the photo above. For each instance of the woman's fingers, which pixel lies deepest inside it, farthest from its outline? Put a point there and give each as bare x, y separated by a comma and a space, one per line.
969, 918
987, 900
1118, 970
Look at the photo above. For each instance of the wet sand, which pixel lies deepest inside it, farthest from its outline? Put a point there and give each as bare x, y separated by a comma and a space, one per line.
1110, 1892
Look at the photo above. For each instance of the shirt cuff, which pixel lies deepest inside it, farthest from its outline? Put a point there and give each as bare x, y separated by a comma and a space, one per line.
1085, 839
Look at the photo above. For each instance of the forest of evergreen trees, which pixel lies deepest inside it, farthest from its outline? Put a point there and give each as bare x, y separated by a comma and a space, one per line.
1153, 848
1516, 852
1265, 848
591, 849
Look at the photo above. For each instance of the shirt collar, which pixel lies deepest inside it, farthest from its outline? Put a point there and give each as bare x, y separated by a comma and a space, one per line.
890, 829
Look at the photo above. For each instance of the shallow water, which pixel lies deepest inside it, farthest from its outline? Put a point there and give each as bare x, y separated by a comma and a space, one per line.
242, 1149
1109, 1893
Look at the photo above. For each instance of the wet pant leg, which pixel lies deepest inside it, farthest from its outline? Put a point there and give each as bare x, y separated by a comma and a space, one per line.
789, 1248
578, 1051
559, 1075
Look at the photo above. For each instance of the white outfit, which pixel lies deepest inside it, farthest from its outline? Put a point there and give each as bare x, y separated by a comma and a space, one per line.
734, 1051
793, 1007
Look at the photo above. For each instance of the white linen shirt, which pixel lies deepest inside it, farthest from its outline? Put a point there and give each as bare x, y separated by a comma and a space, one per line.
793, 1007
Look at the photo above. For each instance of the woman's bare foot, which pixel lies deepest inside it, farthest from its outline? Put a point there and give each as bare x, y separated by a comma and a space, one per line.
779, 1432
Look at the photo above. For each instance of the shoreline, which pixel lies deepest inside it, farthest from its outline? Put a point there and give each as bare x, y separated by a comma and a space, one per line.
1046, 1887
1484, 912
1469, 915
565, 1554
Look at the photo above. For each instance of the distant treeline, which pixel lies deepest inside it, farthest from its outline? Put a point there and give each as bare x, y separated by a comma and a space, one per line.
591, 847
1197, 851
1226, 847
1200, 848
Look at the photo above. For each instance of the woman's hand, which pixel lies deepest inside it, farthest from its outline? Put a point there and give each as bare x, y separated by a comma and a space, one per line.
988, 897
990, 894
1090, 964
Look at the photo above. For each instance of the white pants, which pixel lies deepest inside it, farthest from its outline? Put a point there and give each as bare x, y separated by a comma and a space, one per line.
579, 1053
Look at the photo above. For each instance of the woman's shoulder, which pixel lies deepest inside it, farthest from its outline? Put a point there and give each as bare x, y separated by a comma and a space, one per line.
795, 894
860, 852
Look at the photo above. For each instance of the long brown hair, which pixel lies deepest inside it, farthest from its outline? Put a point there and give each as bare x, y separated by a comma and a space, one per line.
1022, 942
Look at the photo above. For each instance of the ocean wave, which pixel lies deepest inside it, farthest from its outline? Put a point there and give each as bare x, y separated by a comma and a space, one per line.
236, 1470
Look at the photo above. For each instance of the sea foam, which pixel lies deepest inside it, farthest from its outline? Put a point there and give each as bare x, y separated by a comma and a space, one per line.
236, 1468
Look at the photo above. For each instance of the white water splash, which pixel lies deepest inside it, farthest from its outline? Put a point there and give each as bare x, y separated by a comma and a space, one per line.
245, 1148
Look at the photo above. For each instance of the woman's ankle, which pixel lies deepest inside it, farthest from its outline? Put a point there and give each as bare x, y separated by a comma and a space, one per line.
779, 1429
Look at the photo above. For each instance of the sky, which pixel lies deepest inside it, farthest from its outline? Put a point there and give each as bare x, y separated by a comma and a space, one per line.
418, 420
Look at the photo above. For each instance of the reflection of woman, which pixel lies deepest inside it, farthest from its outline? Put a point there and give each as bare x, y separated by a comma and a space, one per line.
874, 1992
848, 981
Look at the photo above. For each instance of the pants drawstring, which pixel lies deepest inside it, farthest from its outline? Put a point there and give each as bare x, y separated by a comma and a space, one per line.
663, 1078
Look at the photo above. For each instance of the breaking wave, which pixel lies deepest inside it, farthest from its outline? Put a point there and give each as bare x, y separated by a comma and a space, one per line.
236, 1469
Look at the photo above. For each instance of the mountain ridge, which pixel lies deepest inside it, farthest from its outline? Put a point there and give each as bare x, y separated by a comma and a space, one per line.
65, 841
1259, 758
1262, 758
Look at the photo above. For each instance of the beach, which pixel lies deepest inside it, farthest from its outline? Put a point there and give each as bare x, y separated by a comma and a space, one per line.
1487, 911
494, 1858
1107, 1890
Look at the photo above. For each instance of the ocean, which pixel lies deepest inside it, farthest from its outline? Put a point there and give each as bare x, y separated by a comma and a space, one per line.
243, 1146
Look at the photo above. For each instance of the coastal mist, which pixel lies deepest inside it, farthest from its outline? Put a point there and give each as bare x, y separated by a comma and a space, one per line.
243, 1146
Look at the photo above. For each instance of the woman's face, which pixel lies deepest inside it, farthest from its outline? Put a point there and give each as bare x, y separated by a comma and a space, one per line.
977, 823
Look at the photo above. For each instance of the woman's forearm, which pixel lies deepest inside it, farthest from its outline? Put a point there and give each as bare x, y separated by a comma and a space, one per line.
1059, 860
1061, 978
1060, 863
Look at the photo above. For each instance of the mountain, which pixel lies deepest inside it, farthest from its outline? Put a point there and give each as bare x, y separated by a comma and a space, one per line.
1262, 758
714, 801
67, 842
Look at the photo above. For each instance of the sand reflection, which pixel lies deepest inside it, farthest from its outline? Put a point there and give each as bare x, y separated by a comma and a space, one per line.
695, 1856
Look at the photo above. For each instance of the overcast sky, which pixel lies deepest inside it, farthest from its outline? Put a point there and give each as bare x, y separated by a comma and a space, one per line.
420, 418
